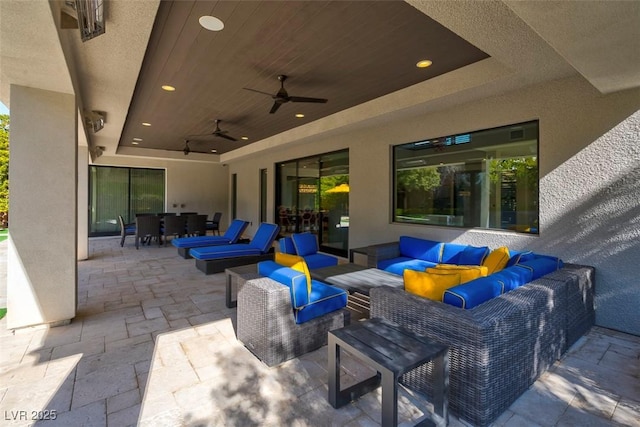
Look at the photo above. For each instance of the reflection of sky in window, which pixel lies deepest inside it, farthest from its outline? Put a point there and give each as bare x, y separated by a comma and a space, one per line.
3, 109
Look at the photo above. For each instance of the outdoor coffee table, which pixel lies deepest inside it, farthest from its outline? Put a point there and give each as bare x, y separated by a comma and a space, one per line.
392, 351
236, 276
358, 280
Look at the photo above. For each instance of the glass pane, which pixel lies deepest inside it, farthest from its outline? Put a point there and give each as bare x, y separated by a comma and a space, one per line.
287, 196
308, 199
334, 201
147, 191
263, 195
109, 191
483, 179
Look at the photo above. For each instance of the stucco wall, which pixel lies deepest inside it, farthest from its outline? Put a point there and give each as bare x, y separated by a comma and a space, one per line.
589, 182
201, 187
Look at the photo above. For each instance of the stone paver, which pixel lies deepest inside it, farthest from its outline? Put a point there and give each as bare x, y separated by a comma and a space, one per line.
154, 345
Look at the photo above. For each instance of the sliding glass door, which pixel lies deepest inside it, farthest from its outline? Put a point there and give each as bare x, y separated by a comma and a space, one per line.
312, 195
122, 191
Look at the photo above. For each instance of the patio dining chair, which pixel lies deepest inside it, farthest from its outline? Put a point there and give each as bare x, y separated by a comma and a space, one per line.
147, 228
196, 225
174, 226
214, 224
125, 230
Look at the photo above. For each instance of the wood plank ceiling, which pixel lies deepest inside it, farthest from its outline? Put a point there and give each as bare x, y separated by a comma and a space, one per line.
346, 51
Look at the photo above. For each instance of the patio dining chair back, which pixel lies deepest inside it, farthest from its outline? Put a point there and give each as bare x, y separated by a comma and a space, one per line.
147, 228
125, 230
196, 225
214, 224
174, 226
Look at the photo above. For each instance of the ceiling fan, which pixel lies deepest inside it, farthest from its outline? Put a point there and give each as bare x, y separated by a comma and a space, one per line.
217, 132
282, 97
186, 150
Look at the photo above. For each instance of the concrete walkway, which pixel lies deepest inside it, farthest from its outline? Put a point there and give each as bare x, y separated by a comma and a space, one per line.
154, 345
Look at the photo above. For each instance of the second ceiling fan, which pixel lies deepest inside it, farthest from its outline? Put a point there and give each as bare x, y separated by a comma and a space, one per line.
217, 132
282, 97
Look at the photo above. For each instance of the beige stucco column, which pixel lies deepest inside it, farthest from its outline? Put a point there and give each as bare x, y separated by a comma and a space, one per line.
41, 259
83, 202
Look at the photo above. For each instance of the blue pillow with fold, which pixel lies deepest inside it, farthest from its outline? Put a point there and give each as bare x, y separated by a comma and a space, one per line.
473, 255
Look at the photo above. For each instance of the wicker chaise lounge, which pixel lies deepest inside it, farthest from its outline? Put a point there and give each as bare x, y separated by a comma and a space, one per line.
231, 236
215, 259
500, 347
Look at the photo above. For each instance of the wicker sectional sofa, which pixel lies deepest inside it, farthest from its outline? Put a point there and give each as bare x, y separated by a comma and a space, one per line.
500, 347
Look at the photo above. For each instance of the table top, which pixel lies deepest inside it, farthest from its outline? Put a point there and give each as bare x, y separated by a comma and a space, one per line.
388, 345
356, 278
242, 269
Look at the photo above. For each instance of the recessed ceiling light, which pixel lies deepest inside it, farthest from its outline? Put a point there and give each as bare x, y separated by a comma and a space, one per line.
137, 139
135, 143
244, 137
168, 88
146, 124
424, 63
299, 115
211, 23
214, 151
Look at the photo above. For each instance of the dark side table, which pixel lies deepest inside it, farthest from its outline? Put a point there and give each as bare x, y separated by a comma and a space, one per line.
236, 276
392, 351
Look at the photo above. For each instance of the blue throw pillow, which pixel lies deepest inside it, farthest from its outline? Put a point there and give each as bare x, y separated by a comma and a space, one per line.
427, 250
472, 255
519, 256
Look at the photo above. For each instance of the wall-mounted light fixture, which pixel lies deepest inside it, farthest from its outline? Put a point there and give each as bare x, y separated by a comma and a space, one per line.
87, 15
95, 120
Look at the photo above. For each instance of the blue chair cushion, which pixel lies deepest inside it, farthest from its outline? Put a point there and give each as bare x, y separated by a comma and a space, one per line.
295, 280
200, 241
398, 265
286, 246
427, 250
323, 299
513, 277
472, 255
224, 251
320, 261
235, 230
473, 293
451, 253
305, 243
265, 236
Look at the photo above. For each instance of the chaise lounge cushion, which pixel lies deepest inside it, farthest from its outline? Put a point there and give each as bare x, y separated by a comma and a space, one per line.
260, 244
233, 233
309, 302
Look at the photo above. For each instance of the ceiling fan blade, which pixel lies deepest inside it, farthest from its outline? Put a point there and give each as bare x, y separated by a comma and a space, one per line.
305, 99
258, 91
275, 107
229, 137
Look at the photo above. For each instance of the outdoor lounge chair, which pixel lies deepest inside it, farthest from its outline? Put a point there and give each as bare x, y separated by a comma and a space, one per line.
306, 246
215, 259
233, 233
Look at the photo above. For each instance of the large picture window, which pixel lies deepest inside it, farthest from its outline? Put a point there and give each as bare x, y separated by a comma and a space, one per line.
486, 179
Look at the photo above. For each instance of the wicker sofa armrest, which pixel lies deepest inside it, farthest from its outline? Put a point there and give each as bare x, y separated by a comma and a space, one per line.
382, 251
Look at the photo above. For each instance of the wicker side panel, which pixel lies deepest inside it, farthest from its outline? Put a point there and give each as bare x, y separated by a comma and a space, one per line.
266, 325
494, 349
580, 281
382, 251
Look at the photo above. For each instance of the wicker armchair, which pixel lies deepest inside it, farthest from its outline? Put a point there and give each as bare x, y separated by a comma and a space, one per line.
499, 348
266, 325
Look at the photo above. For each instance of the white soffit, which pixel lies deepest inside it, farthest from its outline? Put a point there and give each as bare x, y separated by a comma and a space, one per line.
600, 39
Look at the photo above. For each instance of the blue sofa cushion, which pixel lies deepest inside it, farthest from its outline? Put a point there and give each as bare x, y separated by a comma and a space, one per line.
426, 250
305, 243
473, 293
517, 256
513, 277
541, 265
286, 246
398, 265
200, 241
224, 251
472, 255
320, 261
451, 253
323, 299
265, 236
